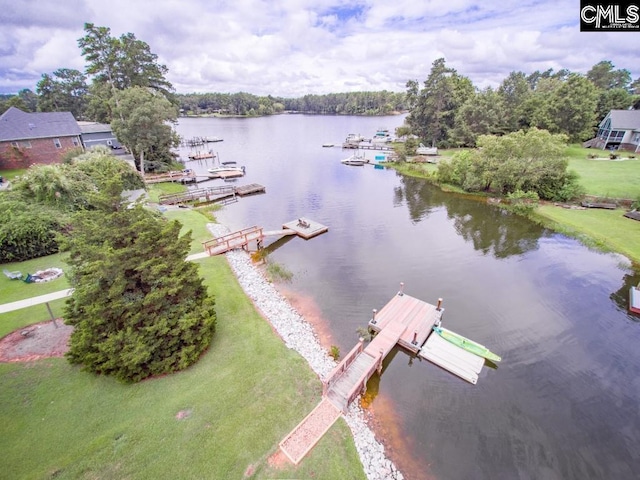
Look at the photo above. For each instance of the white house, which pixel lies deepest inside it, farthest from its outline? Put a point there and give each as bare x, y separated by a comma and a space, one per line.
620, 130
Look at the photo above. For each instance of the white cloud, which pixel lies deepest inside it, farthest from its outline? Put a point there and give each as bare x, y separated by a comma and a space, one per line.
312, 46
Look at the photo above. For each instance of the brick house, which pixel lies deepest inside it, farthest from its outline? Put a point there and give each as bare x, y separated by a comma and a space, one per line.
36, 138
619, 130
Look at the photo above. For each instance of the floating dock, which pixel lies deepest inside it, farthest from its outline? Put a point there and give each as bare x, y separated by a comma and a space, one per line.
306, 228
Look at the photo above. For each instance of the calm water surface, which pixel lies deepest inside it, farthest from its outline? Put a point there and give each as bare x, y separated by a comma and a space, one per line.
564, 402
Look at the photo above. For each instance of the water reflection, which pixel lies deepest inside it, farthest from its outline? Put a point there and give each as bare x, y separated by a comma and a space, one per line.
564, 402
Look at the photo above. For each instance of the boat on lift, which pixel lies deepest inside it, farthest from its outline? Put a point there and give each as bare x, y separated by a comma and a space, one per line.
356, 159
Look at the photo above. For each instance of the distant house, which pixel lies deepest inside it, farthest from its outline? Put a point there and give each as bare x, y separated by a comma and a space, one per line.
36, 138
94, 133
619, 130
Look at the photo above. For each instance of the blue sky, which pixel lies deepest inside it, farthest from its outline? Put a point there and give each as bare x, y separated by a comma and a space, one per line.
295, 47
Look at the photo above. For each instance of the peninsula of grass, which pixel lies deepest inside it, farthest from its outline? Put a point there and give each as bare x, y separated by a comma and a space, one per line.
221, 418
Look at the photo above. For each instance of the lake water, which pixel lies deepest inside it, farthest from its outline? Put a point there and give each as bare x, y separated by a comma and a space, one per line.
565, 401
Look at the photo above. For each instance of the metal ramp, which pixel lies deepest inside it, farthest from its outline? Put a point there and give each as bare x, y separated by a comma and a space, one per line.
454, 359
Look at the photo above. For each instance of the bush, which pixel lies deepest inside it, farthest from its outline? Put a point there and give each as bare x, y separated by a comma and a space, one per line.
27, 231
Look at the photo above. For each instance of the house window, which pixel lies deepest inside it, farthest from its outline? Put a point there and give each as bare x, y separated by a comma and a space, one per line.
76, 143
25, 144
56, 142
15, 145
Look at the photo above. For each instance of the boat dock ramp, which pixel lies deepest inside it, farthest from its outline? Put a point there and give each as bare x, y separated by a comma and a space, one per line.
211, 194
404, 321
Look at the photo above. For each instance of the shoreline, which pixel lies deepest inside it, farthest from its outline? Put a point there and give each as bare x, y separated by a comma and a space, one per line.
299, 335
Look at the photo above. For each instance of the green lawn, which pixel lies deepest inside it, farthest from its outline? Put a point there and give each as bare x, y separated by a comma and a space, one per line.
606, 229
243, 396
606, 178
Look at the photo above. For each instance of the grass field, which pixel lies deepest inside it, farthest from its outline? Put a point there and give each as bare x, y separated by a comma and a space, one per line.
606, 178
243, 396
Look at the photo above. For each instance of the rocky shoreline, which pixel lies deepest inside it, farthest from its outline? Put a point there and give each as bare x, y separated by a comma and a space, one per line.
300, 336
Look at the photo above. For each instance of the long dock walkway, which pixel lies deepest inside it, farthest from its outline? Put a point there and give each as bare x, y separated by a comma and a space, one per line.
302, 227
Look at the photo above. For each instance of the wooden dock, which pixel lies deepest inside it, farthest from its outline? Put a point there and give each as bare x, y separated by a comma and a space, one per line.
404, 321
302, 227
185, 176
211, 194
306, 228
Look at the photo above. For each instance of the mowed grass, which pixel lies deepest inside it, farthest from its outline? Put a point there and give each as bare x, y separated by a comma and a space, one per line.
604, 229
242, 397
602, 177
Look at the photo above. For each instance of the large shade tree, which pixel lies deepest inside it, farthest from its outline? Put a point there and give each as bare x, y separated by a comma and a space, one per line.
143, 122
433, 107
138, 308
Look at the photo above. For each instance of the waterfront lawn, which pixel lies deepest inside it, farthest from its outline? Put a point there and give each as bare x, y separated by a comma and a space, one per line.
164, 188
607, 229
241, 398
603, 177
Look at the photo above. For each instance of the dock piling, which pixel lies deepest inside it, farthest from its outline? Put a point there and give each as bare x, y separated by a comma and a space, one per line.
401, 293
373, 320
439, 307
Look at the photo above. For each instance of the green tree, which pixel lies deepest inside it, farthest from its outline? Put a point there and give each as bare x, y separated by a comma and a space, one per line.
138, 308
603, 76
65, 91
481, 114
142, 121
572, 108
121, 63
531, 161
514, 91
30, 99
433, 108
614, 99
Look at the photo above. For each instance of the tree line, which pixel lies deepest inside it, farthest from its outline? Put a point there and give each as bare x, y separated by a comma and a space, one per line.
124, 85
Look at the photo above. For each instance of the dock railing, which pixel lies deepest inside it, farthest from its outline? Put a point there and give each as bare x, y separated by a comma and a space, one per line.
195, 194
234, 240
342, 366
360, 386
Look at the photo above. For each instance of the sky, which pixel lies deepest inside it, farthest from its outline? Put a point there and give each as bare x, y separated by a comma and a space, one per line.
292, 48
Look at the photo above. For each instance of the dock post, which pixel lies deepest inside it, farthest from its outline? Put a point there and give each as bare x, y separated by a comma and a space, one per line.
401, 293
439, 307
379, 367
373, 320
415, 338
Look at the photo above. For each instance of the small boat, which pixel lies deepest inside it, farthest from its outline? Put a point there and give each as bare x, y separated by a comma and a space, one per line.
211, 139
327, 145
355, 160
634, 299
466, 344
422, 150
353, 141
226, 167
381, 136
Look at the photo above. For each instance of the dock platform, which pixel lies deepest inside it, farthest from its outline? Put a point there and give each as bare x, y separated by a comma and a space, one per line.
416, 316
306, 228
454, 359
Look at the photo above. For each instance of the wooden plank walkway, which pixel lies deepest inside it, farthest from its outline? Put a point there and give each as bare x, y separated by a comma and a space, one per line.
309, 431
239, 239
210, 194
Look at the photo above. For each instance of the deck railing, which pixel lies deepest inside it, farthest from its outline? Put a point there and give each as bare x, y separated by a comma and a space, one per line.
343, 366
233, 240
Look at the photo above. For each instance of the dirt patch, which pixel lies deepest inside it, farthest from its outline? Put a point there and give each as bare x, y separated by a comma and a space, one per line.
279, 460
40, 340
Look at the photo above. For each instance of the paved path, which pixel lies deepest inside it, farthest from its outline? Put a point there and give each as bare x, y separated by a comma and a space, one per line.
30, 302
